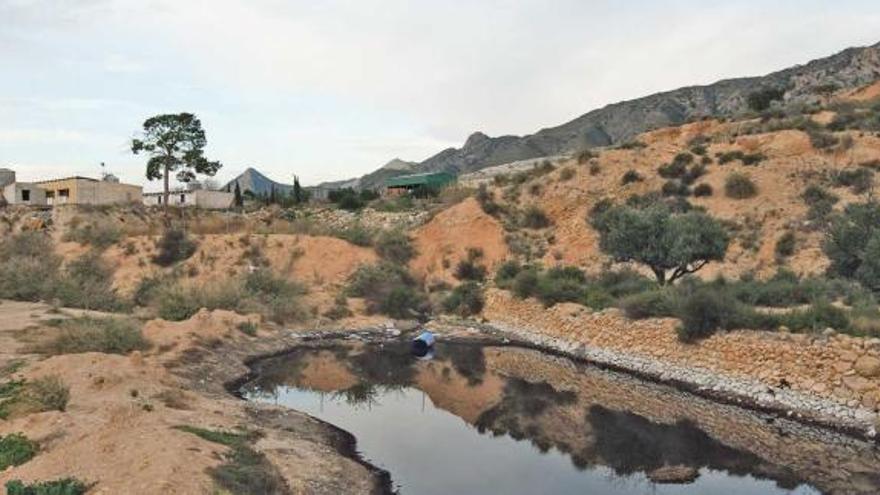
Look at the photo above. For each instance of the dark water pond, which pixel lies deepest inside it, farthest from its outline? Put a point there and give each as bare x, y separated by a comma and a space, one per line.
486, 420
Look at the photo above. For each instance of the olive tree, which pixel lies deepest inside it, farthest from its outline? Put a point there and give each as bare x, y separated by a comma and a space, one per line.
175, 143
853, 244
671, 244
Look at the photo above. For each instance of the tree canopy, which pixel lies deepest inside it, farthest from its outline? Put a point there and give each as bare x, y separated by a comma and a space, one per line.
671, 244
175, 143
853, 244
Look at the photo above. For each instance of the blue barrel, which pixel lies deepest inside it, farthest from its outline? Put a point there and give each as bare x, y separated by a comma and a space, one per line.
423, 343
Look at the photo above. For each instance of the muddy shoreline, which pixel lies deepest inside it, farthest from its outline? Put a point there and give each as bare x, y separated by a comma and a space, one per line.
233, 378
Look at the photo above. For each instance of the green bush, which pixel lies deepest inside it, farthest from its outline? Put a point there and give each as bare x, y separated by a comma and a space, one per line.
29, 268
87, 334
535, 218
566, 174
854, 239
817, 317
356, 234
704, 312
702, 190
762, 99
101, 236
674, 170
173, 247
631, 176
785, 245
395, 246
739, 186
465, 300
87, 282
15, 450
66, 486
652, 304
276, 298
506, 273
675, 188
859, 180
388, 289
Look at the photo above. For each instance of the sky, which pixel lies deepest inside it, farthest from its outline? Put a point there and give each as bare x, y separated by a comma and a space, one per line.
331, 90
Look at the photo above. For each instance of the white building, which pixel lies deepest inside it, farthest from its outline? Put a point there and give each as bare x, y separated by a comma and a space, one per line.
199, 198
20, 193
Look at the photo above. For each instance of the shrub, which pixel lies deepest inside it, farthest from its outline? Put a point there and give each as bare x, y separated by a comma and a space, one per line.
506, 273
704, 312
465, 300
853, 239
469, 268
675, 188
702, 190
760, 100
100, 236
630, 176
395, 246
88, 283
66, 486
173, 247
15, 450
859, 180
822, 140
87, 334
261, 292
566, 174
674, 170
651, 304
729, 156
535, 218
28, 267
247, 328
739, 186
585, 156
753, 159
245, 471
817, 317
785, 245
356, 234
387, 289
48, 393
487, 201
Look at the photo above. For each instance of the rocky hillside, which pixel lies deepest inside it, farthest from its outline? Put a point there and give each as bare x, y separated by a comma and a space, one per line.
619, 122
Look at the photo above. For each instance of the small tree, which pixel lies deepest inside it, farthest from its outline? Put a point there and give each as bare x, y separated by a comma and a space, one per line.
853, 244
297, 191
239, 200
671, 245
174, 143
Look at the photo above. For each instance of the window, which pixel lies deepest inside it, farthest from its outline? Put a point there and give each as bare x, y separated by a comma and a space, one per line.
64, 193
26, 195
182, 198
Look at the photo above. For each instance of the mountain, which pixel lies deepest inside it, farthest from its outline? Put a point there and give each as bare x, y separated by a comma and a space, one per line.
257, 183
619, 122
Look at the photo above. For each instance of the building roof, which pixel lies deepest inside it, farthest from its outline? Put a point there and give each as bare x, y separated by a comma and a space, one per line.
75, 177
433, 178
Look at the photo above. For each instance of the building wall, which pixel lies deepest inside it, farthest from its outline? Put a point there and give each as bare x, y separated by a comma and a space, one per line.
15, 194
82, 191
209, 200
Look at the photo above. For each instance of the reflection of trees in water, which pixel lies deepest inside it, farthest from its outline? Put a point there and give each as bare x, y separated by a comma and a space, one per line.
389, 365
468, 360
523, 402
361, 394
628, 443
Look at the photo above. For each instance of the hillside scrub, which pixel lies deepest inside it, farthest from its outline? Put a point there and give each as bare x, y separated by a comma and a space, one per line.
173, 247
65, 486
671, 244
465, 300
30, 271
739, 186
387, 289
395, 246
261, 291
853, 244
858, 180
100, 236
534, 218
470, 268
15, 450
87, 334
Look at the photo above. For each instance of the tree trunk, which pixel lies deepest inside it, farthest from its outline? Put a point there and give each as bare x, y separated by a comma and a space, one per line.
165, 198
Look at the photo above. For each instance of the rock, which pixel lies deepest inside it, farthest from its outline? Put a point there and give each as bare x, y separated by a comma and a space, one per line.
868, 366
857, 383
674, 474
828, 332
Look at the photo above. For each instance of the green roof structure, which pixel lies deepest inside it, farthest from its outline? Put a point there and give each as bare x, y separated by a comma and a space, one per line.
434, 180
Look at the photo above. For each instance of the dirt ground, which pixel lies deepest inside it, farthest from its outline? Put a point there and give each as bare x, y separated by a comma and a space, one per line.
119, 430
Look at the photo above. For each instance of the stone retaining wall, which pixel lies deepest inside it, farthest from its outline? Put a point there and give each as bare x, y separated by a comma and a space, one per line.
832, 379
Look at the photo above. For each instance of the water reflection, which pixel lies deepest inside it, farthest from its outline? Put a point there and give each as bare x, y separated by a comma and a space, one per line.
535, 423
